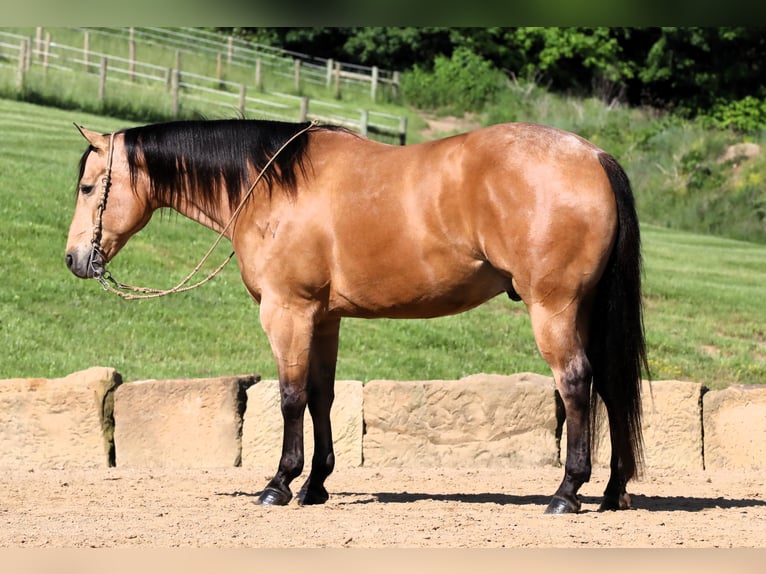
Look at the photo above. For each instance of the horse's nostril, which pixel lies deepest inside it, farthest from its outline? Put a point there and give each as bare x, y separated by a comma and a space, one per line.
69, 260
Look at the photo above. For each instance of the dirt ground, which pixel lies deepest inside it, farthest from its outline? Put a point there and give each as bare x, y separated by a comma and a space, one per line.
374, 508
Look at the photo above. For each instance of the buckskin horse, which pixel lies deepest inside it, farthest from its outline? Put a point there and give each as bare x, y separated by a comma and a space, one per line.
339, 226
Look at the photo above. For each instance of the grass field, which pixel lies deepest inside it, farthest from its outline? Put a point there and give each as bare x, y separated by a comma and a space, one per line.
705, 311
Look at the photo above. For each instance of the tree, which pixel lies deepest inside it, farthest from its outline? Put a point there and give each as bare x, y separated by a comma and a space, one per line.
690, 69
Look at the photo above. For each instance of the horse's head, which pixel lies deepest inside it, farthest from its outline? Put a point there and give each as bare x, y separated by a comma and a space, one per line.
109, 210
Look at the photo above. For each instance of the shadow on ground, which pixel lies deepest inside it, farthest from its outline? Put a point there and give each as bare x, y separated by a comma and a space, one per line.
640, 502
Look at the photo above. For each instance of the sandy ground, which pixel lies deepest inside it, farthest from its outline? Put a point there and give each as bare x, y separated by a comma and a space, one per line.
373, 508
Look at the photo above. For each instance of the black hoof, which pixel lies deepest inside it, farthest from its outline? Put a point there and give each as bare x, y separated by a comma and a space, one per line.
560, 505
316, 495
273, 497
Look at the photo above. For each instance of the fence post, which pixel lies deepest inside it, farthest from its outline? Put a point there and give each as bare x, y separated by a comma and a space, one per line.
402, 130
22, 66
131, 54
395, 83
28, 59
175, 80
46, 52
364, 122
337, 80
102, 81
374, 83
86, 50
38, 40
178, 66
304, 109
297, 76
242, 100
231, 50
328, 80
258, 75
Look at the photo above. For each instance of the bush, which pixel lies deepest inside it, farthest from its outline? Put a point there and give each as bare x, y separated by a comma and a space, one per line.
745, 115
464, 82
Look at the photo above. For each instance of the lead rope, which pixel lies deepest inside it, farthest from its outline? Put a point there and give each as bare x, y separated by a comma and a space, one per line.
115, 287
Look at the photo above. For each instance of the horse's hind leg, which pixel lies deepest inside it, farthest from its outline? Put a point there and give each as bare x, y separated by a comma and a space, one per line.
558, 338
615, 494
324, 354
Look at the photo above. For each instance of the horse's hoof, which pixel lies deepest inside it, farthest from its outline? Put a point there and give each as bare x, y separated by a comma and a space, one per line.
273, 497
561, 505
621, 502
316, 495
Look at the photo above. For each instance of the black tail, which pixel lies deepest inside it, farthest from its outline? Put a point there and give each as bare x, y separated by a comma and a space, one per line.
616, 348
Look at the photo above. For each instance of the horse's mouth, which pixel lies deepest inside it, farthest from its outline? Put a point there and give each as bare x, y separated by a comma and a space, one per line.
86, 265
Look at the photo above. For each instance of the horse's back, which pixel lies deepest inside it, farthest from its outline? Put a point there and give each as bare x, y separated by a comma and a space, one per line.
439, 227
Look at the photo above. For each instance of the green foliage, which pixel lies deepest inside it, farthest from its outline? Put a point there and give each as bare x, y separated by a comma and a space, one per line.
692, 69
582, 60
745, 115
390, 47
458, 84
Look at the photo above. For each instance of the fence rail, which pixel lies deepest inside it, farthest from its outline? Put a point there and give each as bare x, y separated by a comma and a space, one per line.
188, 90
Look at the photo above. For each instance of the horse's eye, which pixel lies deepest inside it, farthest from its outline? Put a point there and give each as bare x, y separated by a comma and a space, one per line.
86, 189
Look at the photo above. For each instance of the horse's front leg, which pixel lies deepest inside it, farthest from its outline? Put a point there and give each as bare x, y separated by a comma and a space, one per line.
321, 392
290, 334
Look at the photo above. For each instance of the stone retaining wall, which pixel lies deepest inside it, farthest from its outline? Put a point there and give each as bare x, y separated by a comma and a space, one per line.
189, 423
55, 423
734, 420
93, 419
481, 420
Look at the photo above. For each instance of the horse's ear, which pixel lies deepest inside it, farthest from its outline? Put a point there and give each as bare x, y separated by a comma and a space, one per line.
97, 140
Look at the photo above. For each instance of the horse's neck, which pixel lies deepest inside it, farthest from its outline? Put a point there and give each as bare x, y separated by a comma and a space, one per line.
216, 219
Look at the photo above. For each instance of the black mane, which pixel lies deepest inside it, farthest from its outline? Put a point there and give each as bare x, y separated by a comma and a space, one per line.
204, 158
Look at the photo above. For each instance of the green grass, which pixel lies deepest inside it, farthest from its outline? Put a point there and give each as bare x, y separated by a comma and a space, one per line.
705, 317
705, 312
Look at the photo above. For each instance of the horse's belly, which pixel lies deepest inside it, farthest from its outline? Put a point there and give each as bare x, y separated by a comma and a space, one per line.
416, 296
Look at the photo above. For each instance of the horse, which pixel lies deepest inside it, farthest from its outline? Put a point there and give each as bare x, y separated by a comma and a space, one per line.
337, 225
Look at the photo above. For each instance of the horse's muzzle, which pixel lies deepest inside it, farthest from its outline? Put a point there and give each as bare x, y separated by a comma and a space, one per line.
85, 263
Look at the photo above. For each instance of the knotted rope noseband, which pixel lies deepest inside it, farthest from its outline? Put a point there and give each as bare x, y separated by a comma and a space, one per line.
96, 253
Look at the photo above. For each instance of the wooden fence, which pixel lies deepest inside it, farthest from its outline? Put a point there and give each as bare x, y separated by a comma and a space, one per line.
187, 89
238, 52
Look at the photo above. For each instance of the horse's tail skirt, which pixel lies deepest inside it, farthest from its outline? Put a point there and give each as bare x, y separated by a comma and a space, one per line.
617, 348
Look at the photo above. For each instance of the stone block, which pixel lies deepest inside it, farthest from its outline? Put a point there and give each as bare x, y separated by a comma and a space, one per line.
58, 423
734, 420
262, 433
478, 421
672, 427
181, 423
